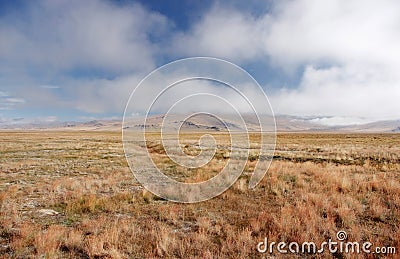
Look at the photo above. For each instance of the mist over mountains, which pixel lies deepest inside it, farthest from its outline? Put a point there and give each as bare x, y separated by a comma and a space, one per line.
284, 123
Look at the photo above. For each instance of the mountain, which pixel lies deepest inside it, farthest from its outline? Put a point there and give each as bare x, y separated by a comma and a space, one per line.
107, 125
198, 122
284, 123
379, 126
294, 123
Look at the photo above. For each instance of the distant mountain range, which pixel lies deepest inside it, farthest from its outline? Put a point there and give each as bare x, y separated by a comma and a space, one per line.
293, 123
208, 123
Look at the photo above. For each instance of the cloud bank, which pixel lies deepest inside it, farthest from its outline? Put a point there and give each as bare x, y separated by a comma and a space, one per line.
349, 53
89, 57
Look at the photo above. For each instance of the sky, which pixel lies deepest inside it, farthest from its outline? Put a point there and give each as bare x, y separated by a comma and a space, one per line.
70, 60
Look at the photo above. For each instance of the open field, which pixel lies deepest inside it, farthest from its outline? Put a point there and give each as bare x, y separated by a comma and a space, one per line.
71, 194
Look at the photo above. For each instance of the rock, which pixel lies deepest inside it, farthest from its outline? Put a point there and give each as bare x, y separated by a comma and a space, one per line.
226, 155
31, 204
48, 212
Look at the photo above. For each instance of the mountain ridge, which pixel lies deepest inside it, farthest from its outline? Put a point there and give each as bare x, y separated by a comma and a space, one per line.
284, 123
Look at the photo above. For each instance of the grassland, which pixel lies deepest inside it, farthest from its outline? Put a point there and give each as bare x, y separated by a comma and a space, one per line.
72, 195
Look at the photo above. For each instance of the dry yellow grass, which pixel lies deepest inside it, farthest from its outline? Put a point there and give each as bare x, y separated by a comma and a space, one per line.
317, 184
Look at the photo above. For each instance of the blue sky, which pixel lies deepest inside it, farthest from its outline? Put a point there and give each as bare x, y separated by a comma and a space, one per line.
73, 60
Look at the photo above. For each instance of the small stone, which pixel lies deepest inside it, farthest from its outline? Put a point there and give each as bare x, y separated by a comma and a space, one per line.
48, 212
226, 155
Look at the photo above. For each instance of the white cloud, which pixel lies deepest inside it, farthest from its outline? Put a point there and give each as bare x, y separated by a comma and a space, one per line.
340, 121
350, 50
306, 31
341, 91
50, 86
74, 35
8, 102
224, 33
100, 95
40, 46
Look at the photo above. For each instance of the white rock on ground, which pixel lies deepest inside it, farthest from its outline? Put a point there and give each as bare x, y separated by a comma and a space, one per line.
48, 212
